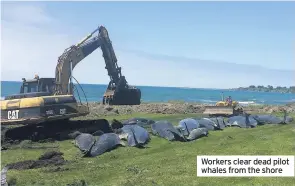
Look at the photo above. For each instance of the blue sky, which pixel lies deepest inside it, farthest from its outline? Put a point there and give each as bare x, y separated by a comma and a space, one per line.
186, 44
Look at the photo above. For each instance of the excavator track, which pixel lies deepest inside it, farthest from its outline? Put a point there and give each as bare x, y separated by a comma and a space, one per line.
57, 130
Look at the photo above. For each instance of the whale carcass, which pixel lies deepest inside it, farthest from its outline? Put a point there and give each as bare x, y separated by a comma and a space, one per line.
136, 135
166, 130
91, 147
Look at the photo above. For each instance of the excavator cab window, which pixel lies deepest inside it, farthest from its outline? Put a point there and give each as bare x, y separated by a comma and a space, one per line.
44, 87
23, 89
29, 87
47, 86
33, 87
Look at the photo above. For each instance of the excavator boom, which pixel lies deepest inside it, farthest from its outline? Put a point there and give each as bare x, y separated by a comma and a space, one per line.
70, 58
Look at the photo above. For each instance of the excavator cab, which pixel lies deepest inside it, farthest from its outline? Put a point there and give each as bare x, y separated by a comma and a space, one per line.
37, 85
34, 88
37, 103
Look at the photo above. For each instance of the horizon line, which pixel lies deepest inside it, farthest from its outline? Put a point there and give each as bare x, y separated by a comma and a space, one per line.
159, 86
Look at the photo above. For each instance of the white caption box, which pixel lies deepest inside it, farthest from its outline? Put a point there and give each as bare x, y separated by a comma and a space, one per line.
245, 166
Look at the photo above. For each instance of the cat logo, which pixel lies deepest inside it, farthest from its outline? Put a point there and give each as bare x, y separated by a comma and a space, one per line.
12, 114
56, 100
62, 111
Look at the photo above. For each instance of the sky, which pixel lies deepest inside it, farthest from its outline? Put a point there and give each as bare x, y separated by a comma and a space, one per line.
175, 44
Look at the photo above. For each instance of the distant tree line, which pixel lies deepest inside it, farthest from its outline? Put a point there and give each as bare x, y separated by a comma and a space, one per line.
269, 88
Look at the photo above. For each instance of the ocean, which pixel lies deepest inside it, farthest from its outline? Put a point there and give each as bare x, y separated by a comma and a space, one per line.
165, 94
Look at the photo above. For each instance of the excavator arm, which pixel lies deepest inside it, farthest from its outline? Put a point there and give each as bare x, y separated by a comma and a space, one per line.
78, 52
118, 87
70, 58
118, 91
109, 56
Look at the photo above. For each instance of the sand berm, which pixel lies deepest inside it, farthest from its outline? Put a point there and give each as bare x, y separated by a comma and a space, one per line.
97, 109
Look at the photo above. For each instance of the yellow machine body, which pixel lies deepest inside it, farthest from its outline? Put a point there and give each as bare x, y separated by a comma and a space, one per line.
224, 103
223, 108
40, 109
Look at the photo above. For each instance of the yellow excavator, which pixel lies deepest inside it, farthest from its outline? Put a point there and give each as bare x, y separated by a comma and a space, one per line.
49, 99
225, 108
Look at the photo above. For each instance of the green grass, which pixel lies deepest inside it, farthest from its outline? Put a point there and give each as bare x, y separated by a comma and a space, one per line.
164, 162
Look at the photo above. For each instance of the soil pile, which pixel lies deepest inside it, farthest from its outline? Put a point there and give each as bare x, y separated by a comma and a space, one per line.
290, 108
97, 109
47, 159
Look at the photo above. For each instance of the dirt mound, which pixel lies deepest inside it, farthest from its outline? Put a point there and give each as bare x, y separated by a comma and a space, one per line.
47, 159
290, 108
97, 109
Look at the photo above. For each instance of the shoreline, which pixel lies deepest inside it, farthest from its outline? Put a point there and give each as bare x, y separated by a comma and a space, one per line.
280, 90
175, 107
243, 103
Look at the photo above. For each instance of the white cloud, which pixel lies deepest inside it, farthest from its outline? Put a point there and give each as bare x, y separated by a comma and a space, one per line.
28, 46
26, 14
31, 45
32, 40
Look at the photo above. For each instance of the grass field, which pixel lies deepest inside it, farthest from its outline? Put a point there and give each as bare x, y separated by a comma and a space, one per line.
163, 163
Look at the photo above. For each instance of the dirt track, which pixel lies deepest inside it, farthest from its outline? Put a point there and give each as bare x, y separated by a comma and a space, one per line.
55, 130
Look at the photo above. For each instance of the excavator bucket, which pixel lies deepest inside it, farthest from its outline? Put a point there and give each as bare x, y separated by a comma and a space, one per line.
219, 110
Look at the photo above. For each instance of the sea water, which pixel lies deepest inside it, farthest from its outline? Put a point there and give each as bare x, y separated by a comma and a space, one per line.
165, 94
